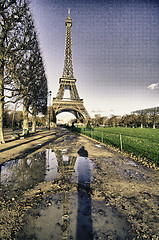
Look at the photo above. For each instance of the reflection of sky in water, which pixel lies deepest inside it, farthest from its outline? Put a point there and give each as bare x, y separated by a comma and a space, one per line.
42, 167
7, 170
70, 213
51, 162
83, 167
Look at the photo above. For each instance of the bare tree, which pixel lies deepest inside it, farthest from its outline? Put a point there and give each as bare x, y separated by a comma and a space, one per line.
30, 80
129, 120
114, 121
148, 114
11, 15
154, 115
21, 67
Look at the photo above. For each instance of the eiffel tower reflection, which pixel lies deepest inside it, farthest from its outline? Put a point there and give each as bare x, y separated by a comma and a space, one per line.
66, 168
70, 213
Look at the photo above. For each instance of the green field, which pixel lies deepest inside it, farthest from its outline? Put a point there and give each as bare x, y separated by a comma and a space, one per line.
143, 143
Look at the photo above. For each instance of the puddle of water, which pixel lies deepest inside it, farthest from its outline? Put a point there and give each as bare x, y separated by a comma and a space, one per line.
98, 145
129, 162
70, 214
130, 173
43, 166
85, 219
131, 170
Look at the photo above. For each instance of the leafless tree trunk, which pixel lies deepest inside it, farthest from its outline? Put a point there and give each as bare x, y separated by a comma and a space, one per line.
25, 116
34, 120
13, 117
1, 102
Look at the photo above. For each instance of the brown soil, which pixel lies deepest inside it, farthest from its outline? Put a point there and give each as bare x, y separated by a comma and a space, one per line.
126, 186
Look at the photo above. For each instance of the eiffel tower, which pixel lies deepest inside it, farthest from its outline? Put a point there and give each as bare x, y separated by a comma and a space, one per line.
73, 104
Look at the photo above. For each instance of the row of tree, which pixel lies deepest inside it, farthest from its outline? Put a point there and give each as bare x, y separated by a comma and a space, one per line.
14, 120
22, 73
141, 118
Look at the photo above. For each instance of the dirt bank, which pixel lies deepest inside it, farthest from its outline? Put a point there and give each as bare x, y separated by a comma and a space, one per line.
126, 186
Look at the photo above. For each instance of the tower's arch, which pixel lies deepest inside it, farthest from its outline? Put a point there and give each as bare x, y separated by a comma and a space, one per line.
77, 113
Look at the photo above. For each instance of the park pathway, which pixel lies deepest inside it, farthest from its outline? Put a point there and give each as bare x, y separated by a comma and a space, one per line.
121, 196
14, 148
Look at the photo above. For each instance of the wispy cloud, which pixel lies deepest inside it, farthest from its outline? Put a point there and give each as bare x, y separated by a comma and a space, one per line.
97, 111
153, 86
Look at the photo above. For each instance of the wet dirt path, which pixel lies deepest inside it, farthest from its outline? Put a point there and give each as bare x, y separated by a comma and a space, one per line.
122, 195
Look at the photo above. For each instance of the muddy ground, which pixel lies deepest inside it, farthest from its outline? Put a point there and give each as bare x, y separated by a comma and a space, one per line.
128, 187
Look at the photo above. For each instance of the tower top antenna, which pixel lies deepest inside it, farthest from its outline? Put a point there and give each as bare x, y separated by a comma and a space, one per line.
68, 12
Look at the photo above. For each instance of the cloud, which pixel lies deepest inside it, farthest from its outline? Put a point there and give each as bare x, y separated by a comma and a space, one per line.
153, 86
97, 111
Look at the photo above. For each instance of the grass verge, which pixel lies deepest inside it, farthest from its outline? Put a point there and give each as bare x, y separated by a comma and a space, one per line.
142, 143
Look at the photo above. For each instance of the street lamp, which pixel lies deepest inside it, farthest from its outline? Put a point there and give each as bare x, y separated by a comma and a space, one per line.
49, 106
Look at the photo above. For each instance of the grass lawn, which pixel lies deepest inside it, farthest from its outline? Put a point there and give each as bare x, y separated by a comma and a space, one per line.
142, 143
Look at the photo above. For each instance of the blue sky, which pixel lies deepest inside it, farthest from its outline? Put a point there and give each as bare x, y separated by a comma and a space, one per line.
115, 46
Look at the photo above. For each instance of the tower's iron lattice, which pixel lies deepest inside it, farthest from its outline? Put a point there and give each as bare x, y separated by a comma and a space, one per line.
67, 82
